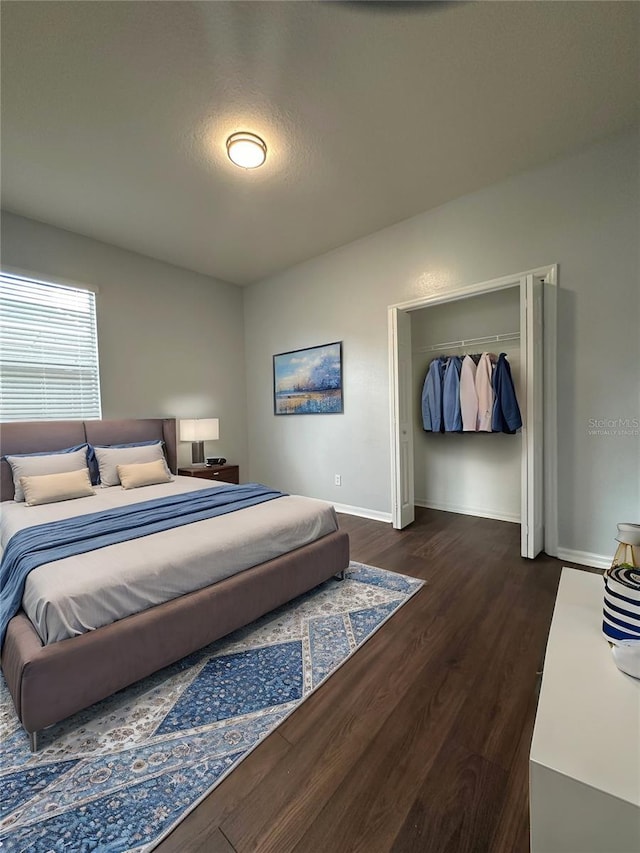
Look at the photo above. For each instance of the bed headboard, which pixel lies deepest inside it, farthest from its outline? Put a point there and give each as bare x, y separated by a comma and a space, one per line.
39, 436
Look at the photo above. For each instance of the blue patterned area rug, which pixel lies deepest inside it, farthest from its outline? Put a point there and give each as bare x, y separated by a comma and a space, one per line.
120, 775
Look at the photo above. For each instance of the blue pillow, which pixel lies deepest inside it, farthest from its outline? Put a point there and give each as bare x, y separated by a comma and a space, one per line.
73, 449
133, 444
92, 462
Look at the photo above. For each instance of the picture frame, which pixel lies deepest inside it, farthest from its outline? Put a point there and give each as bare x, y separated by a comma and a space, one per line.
308, 381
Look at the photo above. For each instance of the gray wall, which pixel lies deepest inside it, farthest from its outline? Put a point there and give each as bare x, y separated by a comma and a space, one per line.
170, 341
581, 212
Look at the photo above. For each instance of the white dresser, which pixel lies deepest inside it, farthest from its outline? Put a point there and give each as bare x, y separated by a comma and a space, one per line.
585, 755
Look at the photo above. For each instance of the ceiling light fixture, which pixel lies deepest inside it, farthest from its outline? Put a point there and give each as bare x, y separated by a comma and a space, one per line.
246, 150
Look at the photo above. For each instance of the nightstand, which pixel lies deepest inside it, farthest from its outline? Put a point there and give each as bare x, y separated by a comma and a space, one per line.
224, 473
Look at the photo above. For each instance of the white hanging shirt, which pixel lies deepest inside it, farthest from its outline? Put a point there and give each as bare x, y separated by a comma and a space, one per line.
484, 390
468, 395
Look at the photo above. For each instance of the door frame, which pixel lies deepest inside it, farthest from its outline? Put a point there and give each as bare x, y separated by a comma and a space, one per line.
548, 275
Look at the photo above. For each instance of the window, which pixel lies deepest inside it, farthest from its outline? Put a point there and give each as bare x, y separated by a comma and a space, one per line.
48, 352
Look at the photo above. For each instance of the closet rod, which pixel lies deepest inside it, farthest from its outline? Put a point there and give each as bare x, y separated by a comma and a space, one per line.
489, 339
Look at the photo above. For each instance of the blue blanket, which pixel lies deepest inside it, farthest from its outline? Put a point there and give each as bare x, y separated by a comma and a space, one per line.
43, 543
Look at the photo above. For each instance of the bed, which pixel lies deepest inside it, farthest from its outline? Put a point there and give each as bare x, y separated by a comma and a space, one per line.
49, 681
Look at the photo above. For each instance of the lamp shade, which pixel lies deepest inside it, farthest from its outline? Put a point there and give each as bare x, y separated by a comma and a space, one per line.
200, 429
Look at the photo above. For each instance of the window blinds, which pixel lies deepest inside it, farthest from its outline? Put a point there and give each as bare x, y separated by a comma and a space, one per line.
48, 352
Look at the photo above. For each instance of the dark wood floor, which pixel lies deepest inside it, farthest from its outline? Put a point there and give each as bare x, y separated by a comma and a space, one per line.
419, 742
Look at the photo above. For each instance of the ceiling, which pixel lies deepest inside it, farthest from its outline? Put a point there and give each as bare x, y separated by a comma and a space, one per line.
115, 115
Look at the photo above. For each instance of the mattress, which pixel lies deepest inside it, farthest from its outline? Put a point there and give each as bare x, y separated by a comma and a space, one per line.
77, 594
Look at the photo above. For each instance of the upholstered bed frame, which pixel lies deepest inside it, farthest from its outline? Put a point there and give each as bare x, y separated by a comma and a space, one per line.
51, 682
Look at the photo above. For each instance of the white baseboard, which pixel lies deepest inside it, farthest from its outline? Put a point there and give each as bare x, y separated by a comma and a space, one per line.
373, 514
585, 558
468, 510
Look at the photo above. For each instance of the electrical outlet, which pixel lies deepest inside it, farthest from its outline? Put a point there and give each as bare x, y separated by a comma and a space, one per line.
337, 479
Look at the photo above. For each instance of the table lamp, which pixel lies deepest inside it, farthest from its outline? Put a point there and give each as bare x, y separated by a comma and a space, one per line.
197, 431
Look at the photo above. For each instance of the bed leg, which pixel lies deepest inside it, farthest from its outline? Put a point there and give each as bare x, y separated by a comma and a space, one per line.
33, 741
342, 575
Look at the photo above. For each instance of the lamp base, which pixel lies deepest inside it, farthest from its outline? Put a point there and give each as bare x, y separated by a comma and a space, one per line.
197, 452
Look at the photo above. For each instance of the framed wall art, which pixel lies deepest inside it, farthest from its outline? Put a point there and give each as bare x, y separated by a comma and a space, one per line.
308, 381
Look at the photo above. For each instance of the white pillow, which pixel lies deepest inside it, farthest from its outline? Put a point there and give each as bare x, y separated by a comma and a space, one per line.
110, 457
143, 474
50, 488
37, 466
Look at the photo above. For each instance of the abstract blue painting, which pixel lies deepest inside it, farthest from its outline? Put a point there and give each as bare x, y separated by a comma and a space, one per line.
308, 381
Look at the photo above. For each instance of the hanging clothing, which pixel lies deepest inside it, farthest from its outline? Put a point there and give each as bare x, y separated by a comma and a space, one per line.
506, 412
468, 395
484, 390
432, 396
451, 413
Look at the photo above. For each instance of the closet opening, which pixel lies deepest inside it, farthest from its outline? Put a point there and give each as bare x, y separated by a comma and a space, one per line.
496, 475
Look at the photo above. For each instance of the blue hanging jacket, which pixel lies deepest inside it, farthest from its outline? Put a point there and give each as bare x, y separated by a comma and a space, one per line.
452, 413
432, 397
505, 416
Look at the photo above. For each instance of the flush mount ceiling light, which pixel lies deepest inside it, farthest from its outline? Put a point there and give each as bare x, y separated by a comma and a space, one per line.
246, 150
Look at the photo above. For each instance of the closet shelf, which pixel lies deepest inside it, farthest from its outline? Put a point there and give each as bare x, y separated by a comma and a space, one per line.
470, 342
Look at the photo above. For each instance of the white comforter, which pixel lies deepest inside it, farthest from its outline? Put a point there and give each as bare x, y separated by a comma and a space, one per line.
78, 594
